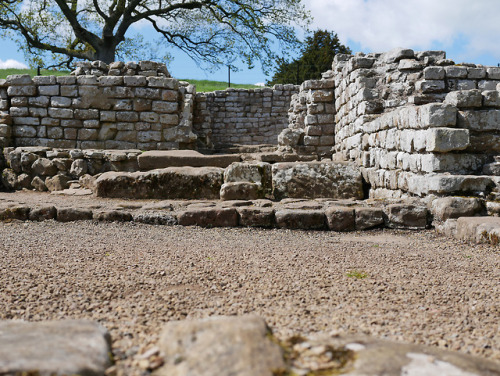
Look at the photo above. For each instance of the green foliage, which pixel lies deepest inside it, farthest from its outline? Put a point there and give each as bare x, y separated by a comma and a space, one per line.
32, 72
213, 32
316, 57
358, 274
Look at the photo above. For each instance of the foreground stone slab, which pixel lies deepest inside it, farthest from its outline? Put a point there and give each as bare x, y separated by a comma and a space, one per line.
70, 347
316, 180
361, 355
222, 346
479, 229
167, 183
151, 160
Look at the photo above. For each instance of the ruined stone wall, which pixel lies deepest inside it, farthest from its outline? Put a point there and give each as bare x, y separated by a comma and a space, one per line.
242, 116
406, 146
121, 106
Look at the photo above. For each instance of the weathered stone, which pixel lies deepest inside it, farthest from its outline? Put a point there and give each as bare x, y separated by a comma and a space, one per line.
73, 214
68, 347
290, 137
257, 172
301, 219
340, 218
38, 184
479, 229
397, 54
78, 168
368, 218
464, 98
13, 212
9, 179
57, 183
113, 216
168, 183
407, 216
256, 216
155, 218
177, 158
209, 217
241, 191
455, 207
43, 213
44, 167
317, 179
220, 346
447, 139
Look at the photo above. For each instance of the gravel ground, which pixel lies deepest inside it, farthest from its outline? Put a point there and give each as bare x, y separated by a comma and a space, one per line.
419, 287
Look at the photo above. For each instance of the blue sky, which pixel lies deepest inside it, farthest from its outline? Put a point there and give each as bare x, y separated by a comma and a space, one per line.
467, 30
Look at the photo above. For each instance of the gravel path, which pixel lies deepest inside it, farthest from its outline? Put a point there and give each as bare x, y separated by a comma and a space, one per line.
419, 287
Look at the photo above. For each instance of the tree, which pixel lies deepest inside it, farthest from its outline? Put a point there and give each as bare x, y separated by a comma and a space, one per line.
209, 31
316, 57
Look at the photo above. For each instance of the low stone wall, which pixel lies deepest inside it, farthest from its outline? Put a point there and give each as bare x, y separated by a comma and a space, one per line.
242, 116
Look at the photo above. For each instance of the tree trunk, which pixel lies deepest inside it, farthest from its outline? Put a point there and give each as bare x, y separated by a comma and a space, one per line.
106, 52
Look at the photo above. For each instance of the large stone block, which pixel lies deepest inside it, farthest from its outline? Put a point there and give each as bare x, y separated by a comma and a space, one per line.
176, 158
68, 347
407, 216
317, 179
443, 140
222, 346
258, 172
170, 183
340, 218
479, 229
488, 120
464, 98
300, 219
437, 115
454, 207
209, 217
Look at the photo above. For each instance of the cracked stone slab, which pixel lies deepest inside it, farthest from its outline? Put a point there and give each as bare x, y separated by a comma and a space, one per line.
69, 347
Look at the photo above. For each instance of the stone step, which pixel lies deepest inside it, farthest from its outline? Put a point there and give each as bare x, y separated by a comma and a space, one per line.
167, 183
155, 159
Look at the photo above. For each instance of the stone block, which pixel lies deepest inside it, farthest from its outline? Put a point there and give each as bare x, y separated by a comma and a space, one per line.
256, 216
43, 213
430, 86
69, 91
454, 71
60, 102
340, 218
437, 115
209, 217
464, 98
316, 179
243, 347
112, 216
168, 183
301, 219
407, 216
491, 98
454, 207
49, 90
73, 214
479, 229
57, 182
434, 73
22, 91
443, 140
61, 113
368, 218
20, 213
241, 191
484, 120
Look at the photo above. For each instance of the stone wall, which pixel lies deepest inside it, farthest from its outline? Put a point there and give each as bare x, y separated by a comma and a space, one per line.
122, 106
242, 116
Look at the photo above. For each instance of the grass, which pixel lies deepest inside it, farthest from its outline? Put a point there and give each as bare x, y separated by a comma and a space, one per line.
32, 72
201, 85
358, 274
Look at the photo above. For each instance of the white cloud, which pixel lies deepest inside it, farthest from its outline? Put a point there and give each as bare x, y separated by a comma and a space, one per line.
12, 64
380, 25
